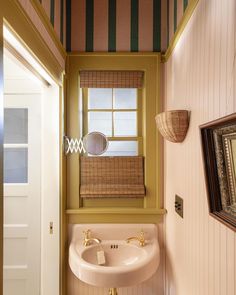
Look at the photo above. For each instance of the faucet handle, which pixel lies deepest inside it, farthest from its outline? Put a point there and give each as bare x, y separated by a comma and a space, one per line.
141, 235
142, 238
87, 233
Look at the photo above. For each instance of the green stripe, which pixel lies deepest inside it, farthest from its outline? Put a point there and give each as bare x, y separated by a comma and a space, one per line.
62, 21
134, 26
112, 26
175, 15
68, 25
156, 25
168, 22
185, 4
89, 24
52, 11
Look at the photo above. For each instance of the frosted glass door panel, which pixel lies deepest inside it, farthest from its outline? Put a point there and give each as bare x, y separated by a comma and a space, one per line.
125, 98
122, 148
125, 123
15, 125
101, 122
100, 98
15, 165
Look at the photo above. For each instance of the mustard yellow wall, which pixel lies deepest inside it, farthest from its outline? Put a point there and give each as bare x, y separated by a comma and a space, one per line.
117, 210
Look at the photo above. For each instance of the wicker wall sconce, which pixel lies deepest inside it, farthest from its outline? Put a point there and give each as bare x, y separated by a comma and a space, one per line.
173, 125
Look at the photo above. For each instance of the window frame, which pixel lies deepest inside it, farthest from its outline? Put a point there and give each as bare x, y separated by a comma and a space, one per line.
138, 138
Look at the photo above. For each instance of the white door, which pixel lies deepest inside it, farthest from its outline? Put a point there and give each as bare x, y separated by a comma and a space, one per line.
22, 194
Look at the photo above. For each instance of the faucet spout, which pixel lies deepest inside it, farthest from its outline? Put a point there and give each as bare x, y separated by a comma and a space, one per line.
88, 240
139, 238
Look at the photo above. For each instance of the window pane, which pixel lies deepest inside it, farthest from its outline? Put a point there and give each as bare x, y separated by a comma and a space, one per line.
122, 148
101, 122
125, 124
125, 98
15, 165
15, 125
100, 98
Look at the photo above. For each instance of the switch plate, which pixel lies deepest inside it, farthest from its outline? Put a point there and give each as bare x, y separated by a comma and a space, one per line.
179, 206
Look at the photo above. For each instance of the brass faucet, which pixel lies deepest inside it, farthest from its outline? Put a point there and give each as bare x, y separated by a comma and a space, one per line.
139, 238
88, 240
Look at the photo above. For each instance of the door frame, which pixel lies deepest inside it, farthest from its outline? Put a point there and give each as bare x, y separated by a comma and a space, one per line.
15, 17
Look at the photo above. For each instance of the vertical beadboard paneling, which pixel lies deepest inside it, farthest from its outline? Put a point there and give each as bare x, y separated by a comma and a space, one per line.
199, 76
153, 286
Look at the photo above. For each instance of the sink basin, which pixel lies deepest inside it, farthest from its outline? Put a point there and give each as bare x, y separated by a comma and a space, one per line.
123, 255
125, 264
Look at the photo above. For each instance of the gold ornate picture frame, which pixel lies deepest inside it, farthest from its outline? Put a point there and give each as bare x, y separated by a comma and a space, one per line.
219, 156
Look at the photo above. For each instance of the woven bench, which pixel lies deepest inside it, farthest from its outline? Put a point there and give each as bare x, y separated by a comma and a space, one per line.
103, 177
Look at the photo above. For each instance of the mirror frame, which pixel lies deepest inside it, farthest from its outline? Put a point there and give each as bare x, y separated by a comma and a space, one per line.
219, 168
96, 133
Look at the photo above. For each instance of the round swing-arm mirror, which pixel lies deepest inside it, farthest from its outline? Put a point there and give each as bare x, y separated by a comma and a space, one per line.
95, 143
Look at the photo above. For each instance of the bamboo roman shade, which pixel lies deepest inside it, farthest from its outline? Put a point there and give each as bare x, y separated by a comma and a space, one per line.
111, 79
111, 177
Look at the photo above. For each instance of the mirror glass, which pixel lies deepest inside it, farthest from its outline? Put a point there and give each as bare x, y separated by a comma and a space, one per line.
95, 143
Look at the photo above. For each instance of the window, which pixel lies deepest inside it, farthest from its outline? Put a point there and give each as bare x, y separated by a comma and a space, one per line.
116, 112
16, 145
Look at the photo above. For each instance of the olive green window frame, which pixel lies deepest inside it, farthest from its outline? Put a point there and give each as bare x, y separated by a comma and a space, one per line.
138, 138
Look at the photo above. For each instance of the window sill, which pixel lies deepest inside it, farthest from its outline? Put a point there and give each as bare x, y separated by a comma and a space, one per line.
115, 215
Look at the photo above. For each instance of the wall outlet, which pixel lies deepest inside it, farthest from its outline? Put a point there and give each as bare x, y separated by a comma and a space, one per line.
179, 206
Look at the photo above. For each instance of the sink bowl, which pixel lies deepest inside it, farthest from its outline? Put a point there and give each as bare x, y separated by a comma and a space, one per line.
125, 264
123, 255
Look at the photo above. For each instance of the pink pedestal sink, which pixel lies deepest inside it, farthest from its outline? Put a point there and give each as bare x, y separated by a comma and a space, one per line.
126, 264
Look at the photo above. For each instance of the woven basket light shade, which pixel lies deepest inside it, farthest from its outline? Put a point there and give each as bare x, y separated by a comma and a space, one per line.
173, 125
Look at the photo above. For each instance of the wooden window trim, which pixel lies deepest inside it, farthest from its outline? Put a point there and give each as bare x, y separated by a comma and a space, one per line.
138, 138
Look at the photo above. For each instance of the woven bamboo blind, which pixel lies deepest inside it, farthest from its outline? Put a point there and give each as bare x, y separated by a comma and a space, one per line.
112, 177
111, 79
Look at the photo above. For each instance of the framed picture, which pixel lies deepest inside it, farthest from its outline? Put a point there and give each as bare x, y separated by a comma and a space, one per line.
219, 155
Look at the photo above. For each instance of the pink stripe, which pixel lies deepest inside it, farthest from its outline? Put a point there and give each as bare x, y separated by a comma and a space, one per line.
100, 25
75, 27
171, 20
123, 25
179, 11
57, 17
145, 25
78, 28
46, 6
164, 25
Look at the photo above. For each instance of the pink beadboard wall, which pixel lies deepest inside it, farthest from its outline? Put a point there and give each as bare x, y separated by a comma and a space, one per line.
200, 76
153, 286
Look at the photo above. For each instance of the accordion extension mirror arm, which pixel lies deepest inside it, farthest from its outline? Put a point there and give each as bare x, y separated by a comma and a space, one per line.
73, 145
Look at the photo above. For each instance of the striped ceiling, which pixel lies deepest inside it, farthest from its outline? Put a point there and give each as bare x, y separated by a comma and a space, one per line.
115, 25
56, 12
